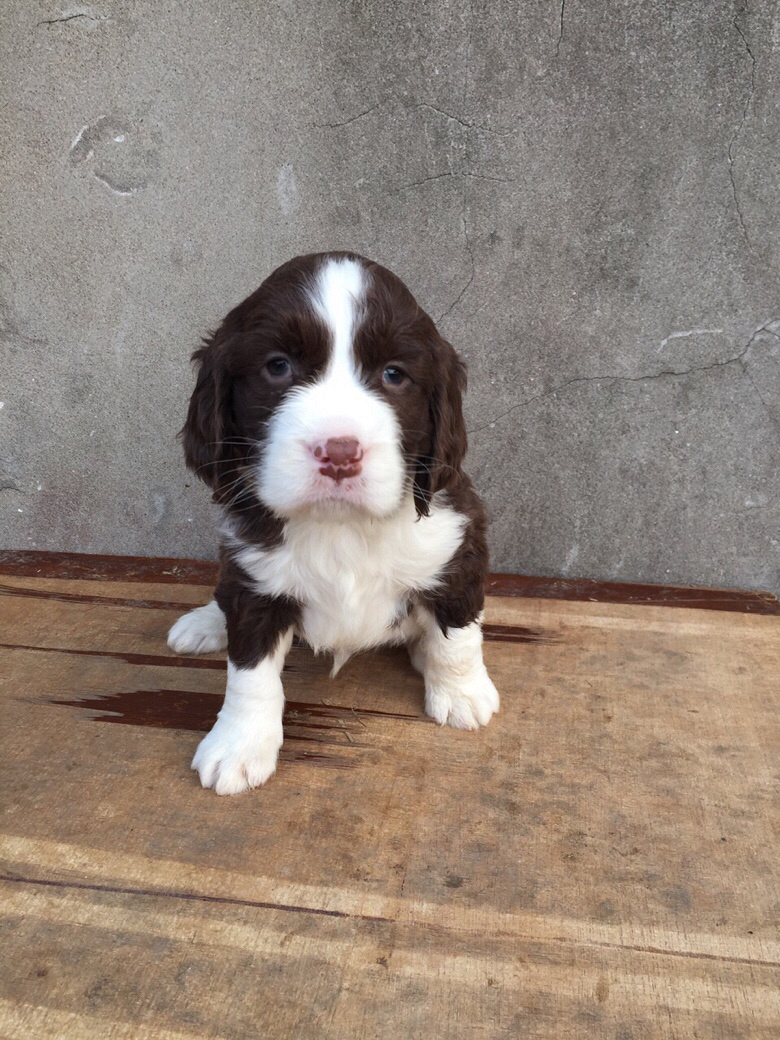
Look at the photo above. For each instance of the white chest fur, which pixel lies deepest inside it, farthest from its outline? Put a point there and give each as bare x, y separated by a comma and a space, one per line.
352, 574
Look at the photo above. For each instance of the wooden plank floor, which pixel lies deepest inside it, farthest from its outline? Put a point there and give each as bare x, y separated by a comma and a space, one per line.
601, 861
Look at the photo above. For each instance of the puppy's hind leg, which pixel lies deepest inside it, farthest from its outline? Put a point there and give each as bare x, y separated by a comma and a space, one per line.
458, 689
413, 633
202, 631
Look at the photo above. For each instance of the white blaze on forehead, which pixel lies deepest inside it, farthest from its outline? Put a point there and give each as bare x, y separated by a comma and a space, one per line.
337, 296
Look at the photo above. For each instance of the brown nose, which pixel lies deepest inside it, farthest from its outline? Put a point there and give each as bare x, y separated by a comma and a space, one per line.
341, 451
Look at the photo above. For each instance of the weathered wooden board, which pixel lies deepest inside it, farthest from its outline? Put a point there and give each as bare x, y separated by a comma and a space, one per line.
601, 861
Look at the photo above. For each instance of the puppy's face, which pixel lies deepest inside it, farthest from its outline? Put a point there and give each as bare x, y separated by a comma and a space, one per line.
327, 389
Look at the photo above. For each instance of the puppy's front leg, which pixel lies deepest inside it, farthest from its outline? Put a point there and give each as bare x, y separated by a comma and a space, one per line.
458, 689
242, 748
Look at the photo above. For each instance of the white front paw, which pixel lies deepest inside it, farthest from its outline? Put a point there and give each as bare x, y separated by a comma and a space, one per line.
202, 631
240, 752
468, 704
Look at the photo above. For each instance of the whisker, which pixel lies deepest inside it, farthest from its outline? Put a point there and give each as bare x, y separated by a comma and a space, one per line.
248, 442
428, 468
243, 493
217, 462
227, 489
235, 510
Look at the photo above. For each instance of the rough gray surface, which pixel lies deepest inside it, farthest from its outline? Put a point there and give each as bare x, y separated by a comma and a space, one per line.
587, 196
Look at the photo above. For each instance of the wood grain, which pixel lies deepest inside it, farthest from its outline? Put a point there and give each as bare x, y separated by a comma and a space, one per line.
598, 862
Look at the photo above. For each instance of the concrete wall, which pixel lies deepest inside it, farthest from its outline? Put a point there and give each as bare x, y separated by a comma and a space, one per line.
586, 196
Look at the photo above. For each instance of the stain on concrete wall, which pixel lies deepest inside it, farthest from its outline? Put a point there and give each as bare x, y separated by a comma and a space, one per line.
586, 197
120, 153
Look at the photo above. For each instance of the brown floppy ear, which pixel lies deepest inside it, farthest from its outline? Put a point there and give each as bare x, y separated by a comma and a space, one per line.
448, 437
207, 427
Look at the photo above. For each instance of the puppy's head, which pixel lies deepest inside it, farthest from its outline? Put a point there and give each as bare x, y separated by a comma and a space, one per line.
329, 388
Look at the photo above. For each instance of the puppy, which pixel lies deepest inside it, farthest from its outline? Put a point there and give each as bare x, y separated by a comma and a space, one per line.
327, 421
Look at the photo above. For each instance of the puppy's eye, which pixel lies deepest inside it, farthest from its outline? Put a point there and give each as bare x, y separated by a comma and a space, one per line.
278, 369
393, 376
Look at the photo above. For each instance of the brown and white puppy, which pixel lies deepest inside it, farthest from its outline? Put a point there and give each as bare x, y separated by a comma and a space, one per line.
327, 420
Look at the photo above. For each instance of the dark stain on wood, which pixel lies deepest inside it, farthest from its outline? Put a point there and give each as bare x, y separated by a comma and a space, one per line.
517, 634
329, 726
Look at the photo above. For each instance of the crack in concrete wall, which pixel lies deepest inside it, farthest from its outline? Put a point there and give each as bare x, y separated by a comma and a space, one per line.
560, 29
351, 119
663, 373
92, 20
469, 125
473, 271
743, 11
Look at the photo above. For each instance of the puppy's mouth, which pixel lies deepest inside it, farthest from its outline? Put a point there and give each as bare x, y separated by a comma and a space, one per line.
340, 473
339, 484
